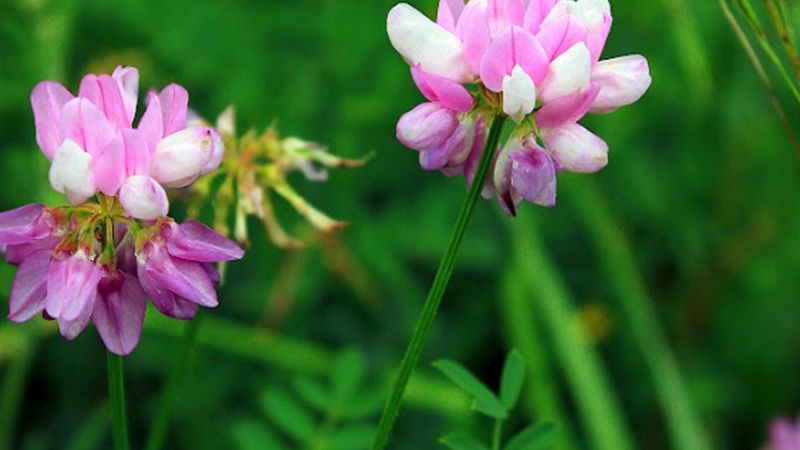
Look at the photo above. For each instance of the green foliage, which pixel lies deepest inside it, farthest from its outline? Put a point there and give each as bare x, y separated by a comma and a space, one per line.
319, 414
539, 436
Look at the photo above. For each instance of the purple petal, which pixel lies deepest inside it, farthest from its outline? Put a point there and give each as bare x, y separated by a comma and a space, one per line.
29, 289
533, 177
187, 279
71, 292
194, 241
164, 300
426, 127
47, 100
119, 313
23, 225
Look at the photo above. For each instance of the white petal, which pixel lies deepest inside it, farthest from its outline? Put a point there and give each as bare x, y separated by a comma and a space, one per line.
622, 81
143, 198
71, 172
576, 148
594, 10
569, 74
421, 41
519, 94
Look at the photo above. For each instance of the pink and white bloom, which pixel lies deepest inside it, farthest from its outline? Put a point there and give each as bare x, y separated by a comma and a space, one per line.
94, 147
99, 261
540, 59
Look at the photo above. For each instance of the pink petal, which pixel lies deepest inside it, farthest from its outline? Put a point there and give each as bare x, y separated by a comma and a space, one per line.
128, 80
502, 14
560, 34
194, 241
106, 93
119, 313
174, 106
449, 12
473, 31
567, 109
514, 47
597, 38
151, 124
28, 292
536, 12
47, 100
439, 89
86, 125
71, 292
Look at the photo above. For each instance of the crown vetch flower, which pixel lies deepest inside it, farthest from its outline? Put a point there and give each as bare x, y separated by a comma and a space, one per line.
94, 148
537, 61
99, 261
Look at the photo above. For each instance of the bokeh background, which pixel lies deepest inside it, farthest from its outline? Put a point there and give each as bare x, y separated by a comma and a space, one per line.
672, 278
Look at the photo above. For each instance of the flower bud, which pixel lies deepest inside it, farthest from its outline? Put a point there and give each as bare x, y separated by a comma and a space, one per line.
143, 198
426, 127
182, 157
576, 148
71, 173
622, 81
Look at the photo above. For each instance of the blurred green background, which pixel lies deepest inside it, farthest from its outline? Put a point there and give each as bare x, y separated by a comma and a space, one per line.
683, 254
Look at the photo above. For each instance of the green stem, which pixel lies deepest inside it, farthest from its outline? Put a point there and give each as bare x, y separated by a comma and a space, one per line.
497, 437
116, 393
160, 424
621, 270
583, 367
436, 293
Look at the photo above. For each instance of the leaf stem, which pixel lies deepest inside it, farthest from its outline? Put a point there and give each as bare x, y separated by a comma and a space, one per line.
438, 288
116, 393
497, 437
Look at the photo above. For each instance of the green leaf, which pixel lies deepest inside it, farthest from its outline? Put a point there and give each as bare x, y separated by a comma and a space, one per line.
250, 435
461, 442
535, 437
485, 400
347, 375
313, 394
288, 415
512, 379
365, 405
357, 437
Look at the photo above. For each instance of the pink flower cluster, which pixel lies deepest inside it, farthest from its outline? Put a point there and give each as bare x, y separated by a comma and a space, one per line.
94, 148
536, 60
784, 434
99, 261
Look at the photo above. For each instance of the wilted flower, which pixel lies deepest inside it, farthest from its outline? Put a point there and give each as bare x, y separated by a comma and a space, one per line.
99, 261
253, 166
784, 434
537, 61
